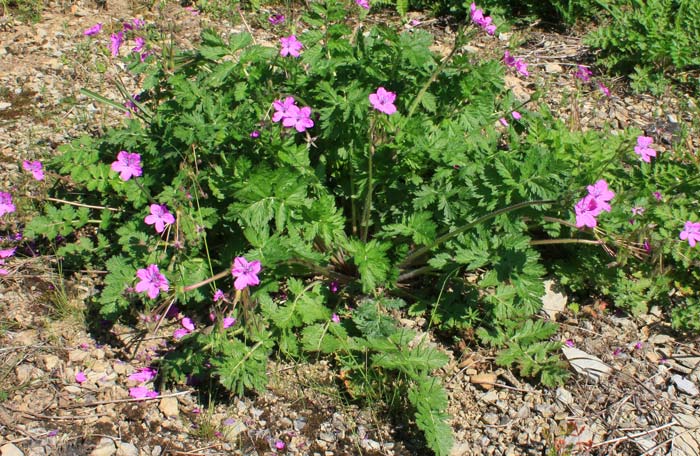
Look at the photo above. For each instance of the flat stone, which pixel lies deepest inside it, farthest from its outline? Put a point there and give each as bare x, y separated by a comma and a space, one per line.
77, 356
489, 418
105, 447
9, 449
169, 406
127, 449
3, 106
50, 361
684, 385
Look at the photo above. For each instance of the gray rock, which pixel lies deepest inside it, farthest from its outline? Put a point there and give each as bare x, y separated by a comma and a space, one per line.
370, 445
299, 424
564, 396
684, 385
490, 418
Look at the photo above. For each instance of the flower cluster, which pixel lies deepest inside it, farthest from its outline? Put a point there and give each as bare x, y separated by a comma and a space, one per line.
117, 39
292, 115
519, 64
643, 148
485, 22
590, 206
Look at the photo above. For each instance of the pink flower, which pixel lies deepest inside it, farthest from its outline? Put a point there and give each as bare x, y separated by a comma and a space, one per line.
363, 4
282, 108
228, 322
6, 205
335, 318
586, 212
180, 333
138, 23
643, 150
141, 392
521, 67
583, 73
280, 445
646, 246
638, 346
603, 88
255, 134
152, 281
691, 232
187, 324
140, 43
160, 217
218, 295
80, 377
516, 115
508, 59
128, 165
299, 118
333, 287
3, 271
290, 46
143, 375
115, 42
637, 210
94, 30
482, 21
617, 351
276, 19
194, 11
658, 196
246, 273
569, 343
503, 121
7, 253
602, 194
383, 101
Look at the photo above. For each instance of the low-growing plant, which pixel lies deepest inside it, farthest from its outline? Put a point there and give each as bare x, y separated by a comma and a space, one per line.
340, 181
651, 41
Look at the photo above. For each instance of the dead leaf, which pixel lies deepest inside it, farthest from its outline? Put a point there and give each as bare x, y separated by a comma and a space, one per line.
552, 302
586, 364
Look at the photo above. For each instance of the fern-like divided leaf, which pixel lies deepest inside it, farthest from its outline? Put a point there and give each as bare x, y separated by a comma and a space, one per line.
430, 400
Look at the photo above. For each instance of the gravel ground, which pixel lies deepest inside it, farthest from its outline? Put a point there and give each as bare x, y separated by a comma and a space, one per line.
642, 400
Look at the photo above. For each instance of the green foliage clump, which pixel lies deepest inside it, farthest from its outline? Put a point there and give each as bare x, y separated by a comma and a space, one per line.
652, 41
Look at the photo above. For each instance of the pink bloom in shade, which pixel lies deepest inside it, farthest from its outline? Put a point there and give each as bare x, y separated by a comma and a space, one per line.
603, 88
6, 205
691, 232
476, 14
299, 118
145, 55
212, 316
521, 67
282, 108
569, 343
280, 445
80, 377
383, 101
276, 19
335, 318
228, 322
508, 59
583, 73
7, 253
255, 134
646, 246
115, 42
586, 212
218, 295
160, 217
602, 193
140, 43
334, 287
643, 150
246, 273
516, 115
152, 281
187, 324
94, 30
658, 196
363, 4
143, 375
290, 46
128, 165
637, 210
503, 121
194, 11
34, 167
180, 333
141, 392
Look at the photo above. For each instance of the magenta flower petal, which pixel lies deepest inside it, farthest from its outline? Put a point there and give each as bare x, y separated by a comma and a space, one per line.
228, 322
187, 324
145, 374
80, 377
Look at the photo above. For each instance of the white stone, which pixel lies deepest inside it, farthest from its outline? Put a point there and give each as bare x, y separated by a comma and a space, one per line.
127, 449
9, 449
105, 447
